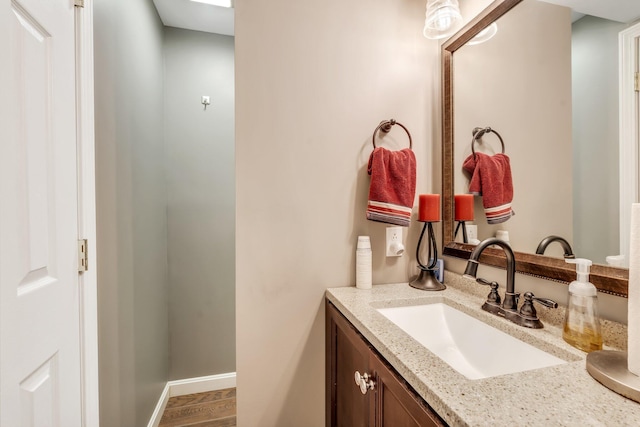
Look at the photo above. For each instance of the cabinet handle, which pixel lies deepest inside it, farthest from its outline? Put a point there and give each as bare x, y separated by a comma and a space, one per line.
364, 381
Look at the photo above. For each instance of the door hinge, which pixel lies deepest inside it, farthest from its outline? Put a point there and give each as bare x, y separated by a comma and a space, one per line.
79, 3
82, 256
637, 81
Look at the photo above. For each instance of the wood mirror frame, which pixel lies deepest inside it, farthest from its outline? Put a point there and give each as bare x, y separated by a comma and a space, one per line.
607, 279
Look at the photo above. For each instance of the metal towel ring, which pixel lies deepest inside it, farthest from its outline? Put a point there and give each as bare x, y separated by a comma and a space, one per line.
385, 126
479, 133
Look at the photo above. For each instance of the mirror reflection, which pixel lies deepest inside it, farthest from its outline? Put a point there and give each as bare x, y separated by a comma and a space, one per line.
547, 83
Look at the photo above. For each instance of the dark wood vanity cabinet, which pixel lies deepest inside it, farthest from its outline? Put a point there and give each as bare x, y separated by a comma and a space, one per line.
389, 403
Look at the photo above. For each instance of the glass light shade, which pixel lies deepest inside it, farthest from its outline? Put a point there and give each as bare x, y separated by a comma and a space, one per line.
221, 3
442, 18
484, 35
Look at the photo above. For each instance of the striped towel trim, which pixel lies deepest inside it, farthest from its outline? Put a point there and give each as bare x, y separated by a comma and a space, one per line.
390, 207
499, 214
389, 213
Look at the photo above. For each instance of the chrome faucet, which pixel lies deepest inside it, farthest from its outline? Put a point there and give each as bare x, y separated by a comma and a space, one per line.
568, 252
527, 315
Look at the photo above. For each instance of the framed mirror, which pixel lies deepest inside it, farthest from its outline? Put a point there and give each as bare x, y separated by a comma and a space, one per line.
536, 126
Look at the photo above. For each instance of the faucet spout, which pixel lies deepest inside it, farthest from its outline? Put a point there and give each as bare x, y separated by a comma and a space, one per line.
510, 302
568, 252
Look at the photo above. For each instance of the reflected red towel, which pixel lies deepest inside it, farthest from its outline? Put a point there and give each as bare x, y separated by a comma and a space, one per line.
393, 186
491, 179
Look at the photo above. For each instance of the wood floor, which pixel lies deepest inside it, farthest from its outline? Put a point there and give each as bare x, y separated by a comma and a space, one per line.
210, 409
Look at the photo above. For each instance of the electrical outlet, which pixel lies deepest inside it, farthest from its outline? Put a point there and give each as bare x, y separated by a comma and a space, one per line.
472, 231
394, 246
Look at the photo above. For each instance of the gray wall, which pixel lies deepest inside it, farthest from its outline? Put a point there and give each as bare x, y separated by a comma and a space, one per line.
131, 211
596, 195
201, 201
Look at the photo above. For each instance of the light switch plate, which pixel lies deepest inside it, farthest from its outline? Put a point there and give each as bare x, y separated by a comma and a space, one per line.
394, 244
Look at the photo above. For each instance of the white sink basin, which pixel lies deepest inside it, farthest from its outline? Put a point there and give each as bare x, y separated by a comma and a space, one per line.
467, 344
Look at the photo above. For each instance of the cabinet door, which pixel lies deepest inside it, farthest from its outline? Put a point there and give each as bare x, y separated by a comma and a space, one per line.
347, 353
397, 405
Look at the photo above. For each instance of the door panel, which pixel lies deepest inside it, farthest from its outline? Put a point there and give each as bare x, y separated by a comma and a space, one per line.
396, 404
346, 354
38, 395
39, 305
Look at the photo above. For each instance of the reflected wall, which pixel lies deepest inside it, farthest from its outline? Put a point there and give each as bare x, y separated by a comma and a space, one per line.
519, 83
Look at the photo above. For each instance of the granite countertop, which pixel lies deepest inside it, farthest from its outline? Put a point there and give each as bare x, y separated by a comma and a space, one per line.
563, 395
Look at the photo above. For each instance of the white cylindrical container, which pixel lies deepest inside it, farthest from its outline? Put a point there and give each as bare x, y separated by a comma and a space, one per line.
363, 263
503, 235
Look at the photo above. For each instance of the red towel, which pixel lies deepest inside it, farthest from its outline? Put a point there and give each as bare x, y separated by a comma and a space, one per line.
491, 179
393, 186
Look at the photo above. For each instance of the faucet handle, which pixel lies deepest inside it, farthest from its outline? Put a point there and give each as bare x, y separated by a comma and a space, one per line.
485, 282
544, 301
529, 310
493, 296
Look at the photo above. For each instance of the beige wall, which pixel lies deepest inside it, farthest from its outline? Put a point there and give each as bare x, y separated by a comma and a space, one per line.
519, 83
313, 80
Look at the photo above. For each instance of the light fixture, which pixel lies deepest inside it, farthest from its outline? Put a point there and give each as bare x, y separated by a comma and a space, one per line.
484, 35
442, 18
221, 3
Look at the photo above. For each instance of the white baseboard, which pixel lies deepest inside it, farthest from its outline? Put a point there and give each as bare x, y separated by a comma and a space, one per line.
159, 410
201, 384
189, 386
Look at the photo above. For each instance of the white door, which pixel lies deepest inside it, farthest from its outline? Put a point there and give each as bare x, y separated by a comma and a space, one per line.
40, 360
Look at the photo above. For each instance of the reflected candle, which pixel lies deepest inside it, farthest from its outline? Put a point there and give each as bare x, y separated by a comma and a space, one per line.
429, 208
463, 207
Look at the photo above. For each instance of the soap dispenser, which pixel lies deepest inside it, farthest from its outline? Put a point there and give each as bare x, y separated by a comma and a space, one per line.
581, 323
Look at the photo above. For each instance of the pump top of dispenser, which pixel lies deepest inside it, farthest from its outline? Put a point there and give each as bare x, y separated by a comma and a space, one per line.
582, 286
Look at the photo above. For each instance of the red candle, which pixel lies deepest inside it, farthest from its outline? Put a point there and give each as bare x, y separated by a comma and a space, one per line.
463, 207
429, 208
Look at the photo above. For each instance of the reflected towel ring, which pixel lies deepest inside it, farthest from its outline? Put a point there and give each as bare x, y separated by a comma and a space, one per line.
479, 133
385, 126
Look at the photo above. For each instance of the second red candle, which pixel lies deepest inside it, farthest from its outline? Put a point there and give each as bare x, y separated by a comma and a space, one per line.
463, 207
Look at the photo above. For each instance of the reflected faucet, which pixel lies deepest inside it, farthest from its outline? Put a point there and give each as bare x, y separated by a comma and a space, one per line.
510, 297
568, 252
